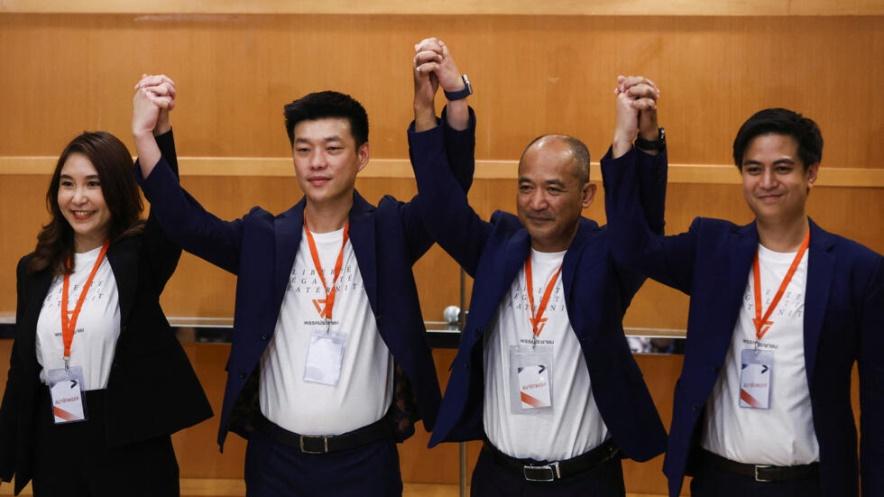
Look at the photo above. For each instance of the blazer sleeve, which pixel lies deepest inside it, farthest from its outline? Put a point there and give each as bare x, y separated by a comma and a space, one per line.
634, 207
8, 411
651, 175
871, 378
162, 253
459, 148
442, 202
184, 221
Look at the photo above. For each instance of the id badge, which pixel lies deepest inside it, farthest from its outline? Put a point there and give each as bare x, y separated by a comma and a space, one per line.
325, 357
66, 391
756, 372
530, 380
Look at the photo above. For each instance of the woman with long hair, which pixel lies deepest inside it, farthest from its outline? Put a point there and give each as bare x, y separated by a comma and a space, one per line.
98, 381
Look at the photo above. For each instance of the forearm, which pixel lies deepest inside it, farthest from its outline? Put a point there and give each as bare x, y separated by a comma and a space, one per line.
458, 114
653, 175
424, 117
460, 147
148, 152
442, 201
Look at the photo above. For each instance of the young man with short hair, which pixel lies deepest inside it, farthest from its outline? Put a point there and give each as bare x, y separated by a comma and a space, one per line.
780, 311
329, 365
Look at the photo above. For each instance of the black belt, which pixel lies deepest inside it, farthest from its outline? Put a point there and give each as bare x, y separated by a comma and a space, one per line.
532, 470
322, 444
760, 472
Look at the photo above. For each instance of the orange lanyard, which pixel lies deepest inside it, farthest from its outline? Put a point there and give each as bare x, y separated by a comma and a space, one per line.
762, 324
329, 294
536, 319
68, 325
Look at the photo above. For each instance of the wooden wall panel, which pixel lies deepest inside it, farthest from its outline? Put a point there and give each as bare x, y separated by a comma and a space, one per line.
465, 7
532, 75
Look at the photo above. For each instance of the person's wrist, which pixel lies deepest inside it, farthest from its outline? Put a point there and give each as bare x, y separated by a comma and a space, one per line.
142, 134
424, 110
623, 137
455, 85
650, 134
466, 89
162, 128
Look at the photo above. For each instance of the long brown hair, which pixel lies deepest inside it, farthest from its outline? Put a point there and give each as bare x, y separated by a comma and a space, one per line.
112, 161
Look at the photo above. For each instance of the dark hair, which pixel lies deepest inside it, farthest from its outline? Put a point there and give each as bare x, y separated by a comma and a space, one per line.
578, 149
782, 122
112, 161
324, 104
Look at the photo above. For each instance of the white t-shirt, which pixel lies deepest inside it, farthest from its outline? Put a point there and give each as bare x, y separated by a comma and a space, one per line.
364, 391
574, 425
783, 434
98, 327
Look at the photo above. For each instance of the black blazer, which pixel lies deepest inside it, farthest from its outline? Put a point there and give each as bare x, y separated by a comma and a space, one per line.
148, 357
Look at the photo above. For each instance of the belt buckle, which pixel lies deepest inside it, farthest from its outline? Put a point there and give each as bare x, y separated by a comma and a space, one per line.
313, 445
759, 478
552, 470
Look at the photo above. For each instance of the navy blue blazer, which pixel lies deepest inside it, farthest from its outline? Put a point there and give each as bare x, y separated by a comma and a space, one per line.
843, 323
597, 293
260, 249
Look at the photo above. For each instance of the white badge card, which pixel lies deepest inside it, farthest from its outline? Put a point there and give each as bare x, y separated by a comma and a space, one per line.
530, 380
325, 356
66, 391
755, 378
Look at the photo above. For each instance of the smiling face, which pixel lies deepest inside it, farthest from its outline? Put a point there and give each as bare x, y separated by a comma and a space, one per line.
327, 159
551, 194
775, 181
81, 202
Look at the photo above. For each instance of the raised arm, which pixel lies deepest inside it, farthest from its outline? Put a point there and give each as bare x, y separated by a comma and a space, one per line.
179, 215
442, 154
434, 67
635, 189
162, 253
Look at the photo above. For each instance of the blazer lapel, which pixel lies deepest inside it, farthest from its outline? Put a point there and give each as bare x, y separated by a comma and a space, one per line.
288, 230
820, 268
26, 331
517, 251
743, 247
362, 236
488, 292
572, 256
123, 259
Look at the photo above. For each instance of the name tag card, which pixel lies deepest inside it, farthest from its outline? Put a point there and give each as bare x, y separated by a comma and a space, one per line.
755, 378
530, 380
65, 388
325, 357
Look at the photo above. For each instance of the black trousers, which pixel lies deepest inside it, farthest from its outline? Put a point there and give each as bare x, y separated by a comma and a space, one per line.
73, 460
492, 480
277, 470
713, 482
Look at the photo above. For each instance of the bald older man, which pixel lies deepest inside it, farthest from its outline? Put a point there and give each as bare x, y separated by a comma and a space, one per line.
544, 374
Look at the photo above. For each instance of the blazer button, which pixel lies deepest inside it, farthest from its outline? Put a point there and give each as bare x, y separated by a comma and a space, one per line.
242, 376
264, 338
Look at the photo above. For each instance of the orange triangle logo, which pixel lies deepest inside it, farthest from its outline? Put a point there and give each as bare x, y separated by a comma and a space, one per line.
319, 304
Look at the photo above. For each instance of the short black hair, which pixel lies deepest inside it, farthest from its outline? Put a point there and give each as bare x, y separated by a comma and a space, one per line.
323, 104
782, 122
